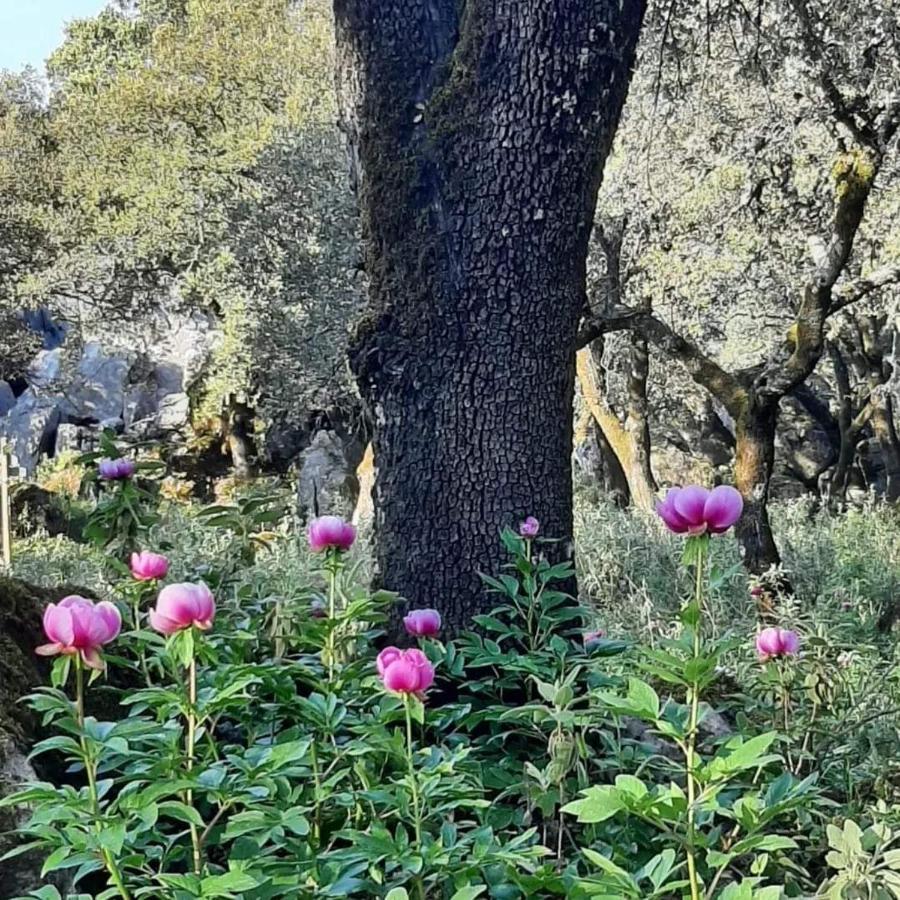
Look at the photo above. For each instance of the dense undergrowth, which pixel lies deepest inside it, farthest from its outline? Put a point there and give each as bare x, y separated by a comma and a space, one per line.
661, 757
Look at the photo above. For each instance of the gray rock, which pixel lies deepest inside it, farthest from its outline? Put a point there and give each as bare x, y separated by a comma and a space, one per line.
327, 484
31, 427
70, 438
174, 412
7, 398
44, 369
97, 392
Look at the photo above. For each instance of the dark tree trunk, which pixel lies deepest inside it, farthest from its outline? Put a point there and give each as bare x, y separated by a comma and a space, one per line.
850, 426
615, 484
754, 459
479, 130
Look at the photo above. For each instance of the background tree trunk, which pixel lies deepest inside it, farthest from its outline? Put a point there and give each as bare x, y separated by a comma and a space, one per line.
629, 442
754, 459
478, 144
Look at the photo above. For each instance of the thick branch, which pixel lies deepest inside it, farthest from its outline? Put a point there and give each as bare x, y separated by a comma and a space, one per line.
702, 368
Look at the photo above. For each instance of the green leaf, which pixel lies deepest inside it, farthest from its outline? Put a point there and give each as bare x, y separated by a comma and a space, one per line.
598, 804
631, 785
739, 754
56, 860
470, 892
174, 809
227, 885
397, 893
643, 697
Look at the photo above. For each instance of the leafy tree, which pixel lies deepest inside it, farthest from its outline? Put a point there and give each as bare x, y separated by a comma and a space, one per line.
752, 145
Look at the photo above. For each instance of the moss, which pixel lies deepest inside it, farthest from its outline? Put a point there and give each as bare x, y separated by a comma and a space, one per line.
852, 172
448, 110
21, 607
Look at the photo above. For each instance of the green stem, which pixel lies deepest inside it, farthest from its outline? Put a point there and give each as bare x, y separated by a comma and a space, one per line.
693, 700
331, 566
90, 769
531, 598
317, 782
413, 785
191, 741
142, 656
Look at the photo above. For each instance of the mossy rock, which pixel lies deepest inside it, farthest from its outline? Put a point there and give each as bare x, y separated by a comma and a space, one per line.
39, 511
21, 670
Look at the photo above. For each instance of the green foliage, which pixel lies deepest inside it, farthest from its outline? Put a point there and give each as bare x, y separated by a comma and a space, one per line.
542, 767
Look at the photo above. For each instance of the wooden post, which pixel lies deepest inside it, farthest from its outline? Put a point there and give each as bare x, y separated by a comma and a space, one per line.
5, 525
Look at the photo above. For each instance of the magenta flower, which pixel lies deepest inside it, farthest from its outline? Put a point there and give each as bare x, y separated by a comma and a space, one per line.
405, 671
774, 643
78, 625
695, 510
590, 639
423, 623
182, 606
147, 566
529, 528
116, 469
330, 533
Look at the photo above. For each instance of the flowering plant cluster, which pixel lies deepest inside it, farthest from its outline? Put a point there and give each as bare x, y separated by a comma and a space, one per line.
276, 747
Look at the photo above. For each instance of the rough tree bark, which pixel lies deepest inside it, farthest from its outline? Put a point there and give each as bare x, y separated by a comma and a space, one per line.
478, 131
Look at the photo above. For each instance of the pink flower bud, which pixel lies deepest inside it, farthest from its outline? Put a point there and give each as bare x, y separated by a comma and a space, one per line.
774, 643
405, 671
695, 510
529, 528
330, 533
116, 469
423, 623
592, 638
78, 625
182, 606
147, 566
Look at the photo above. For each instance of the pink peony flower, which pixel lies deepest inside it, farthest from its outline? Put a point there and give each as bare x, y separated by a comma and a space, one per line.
182, 606
116, 469
529, 528
423, 623
590, 639
695, 510
773, 643
147, 566
330, 533
405, 671
78, 625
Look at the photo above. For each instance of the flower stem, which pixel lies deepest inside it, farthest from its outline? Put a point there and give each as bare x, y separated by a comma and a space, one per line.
191, 740
693, 700
90, 768
413, 784
531, 599
317, 783
332, 564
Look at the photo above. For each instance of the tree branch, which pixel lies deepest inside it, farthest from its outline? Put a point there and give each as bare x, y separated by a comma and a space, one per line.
849, 293
724, 386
